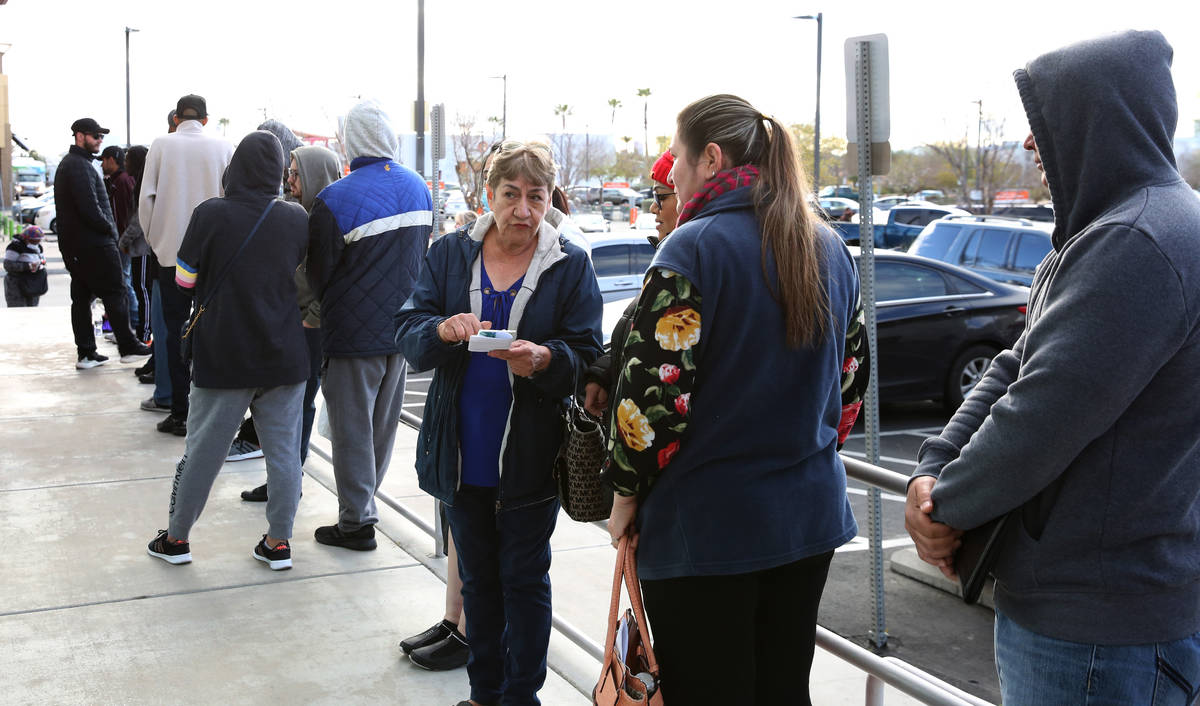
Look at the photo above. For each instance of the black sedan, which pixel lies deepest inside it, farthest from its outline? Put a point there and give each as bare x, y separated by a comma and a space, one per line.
939, 326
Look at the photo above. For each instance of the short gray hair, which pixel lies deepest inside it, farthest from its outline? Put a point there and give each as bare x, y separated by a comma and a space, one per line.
516, 159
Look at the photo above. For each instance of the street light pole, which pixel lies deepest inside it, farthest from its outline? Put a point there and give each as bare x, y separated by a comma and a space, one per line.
504, 108
419, 112
128, 134
820, 18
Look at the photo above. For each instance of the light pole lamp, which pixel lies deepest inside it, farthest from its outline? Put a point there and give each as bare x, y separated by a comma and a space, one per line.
819, 17
503, 107
128, 135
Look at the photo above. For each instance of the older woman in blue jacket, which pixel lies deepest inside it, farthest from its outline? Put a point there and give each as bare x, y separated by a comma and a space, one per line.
492, 424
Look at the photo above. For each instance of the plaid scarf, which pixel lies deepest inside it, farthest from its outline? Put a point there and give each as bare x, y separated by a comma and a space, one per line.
724, 182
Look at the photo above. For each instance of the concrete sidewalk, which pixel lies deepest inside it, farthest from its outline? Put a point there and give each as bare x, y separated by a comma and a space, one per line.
87, 617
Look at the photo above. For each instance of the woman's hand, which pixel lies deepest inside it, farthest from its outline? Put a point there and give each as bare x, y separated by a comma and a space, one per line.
524, 358
461, 327
620, 521
595, 399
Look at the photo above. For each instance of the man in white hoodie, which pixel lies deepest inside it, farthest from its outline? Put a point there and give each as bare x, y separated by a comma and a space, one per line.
183, 169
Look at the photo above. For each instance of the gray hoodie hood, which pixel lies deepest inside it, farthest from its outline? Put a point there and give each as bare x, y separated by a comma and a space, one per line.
1103, 114
287, 138
318, 167
369, 133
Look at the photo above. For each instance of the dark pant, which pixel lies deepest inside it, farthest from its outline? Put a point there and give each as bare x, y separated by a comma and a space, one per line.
312, 336
96, 274
13, 295
504, 561
177, 307
721, 639
142, 271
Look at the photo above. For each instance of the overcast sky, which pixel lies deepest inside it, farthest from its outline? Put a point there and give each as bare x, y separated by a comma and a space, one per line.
304, 62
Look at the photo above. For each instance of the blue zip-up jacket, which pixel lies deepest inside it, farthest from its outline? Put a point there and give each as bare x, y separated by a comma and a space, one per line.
367, 233
559, 306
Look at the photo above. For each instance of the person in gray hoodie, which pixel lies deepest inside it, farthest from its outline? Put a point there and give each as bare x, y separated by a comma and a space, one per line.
1087, 429
367, 236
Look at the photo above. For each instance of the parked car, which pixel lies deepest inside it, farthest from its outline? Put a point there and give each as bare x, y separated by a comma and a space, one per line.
841, 192
28, 209
836, 206
1004, 249
1042, 213
620, 261
591, 222
939, 326
647, 223
903, 224
885, 203
44, 218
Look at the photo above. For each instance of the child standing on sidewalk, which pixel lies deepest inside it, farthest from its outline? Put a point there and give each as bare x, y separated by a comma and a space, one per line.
25, 269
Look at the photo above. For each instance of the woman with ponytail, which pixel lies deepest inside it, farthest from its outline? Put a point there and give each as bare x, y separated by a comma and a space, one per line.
739, 381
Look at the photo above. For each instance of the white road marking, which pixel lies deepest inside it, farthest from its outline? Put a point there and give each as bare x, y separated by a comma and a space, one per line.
862, 544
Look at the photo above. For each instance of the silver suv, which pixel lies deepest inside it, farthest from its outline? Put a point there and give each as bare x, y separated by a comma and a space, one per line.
1003, 249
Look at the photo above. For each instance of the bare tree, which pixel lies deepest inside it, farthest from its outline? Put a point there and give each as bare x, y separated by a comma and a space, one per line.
576, 154
956, 155
1189, 167
995, 166
470, 147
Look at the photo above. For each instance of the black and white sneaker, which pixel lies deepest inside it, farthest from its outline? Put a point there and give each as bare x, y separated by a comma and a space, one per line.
172, 552
278, 559
88, 361
242, 450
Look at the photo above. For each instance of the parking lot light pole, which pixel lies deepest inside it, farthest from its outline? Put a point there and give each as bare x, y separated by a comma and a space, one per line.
816, 176
128, 136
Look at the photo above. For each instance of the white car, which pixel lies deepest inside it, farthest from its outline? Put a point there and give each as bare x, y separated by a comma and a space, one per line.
591, 223
45, 218
646, 222
620, 261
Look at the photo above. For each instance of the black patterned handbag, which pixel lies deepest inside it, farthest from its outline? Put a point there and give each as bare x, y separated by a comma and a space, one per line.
577, 469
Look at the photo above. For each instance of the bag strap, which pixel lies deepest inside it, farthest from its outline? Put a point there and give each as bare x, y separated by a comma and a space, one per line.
635, 597
232, 260
228, 266
614, 603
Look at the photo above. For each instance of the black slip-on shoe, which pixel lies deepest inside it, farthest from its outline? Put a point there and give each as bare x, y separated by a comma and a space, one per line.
360, 540
437, 633
255, 495
448, 654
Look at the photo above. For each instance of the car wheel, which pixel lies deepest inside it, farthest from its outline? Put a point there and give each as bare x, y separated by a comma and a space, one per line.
53, 225
965, 373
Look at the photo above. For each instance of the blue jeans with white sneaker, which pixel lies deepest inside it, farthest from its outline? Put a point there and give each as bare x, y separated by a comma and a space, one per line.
1036, 670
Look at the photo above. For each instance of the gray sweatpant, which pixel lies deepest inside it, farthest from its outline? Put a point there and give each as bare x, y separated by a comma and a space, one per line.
213, 420
364, 397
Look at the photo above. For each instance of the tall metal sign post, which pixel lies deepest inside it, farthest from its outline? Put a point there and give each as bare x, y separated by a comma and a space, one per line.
868, 126
437, 131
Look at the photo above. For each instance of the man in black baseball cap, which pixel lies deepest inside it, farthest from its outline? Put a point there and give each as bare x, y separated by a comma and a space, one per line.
89, 127
87, 238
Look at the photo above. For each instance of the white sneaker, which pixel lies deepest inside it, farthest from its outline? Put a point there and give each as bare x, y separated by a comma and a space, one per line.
152, 405
242, 450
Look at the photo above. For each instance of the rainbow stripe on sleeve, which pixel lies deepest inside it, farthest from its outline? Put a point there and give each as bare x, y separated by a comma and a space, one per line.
185, 274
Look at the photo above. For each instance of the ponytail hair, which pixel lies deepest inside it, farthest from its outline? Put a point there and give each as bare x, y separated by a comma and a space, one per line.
781, 196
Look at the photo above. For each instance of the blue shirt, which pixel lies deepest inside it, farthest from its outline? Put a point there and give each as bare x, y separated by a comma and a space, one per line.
486, 395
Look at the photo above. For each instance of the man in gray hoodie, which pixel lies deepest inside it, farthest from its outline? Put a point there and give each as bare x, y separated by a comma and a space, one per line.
1087, 428
367, 237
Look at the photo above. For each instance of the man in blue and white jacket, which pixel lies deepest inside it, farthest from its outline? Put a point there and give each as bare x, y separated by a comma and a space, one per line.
368, 233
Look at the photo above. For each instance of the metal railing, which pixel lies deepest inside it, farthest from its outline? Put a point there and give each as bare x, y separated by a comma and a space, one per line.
880, 670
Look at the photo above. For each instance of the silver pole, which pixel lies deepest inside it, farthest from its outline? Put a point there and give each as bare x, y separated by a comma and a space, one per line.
866, 243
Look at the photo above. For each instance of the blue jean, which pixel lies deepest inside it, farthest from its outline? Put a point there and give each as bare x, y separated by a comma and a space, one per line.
1036, 670
162, 376
312, 336
127, 273
504, 561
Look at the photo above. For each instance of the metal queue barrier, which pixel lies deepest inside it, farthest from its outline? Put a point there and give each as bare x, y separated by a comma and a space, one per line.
880, 670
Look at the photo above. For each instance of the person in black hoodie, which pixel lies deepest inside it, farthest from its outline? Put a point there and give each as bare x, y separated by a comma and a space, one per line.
88, 240
248, 345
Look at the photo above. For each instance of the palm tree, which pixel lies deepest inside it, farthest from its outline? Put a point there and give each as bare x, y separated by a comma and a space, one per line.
224, 123
644, 94
626, 139
563, 111
614, 104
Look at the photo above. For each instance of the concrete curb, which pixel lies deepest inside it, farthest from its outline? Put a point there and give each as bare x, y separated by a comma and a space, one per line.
906, 563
